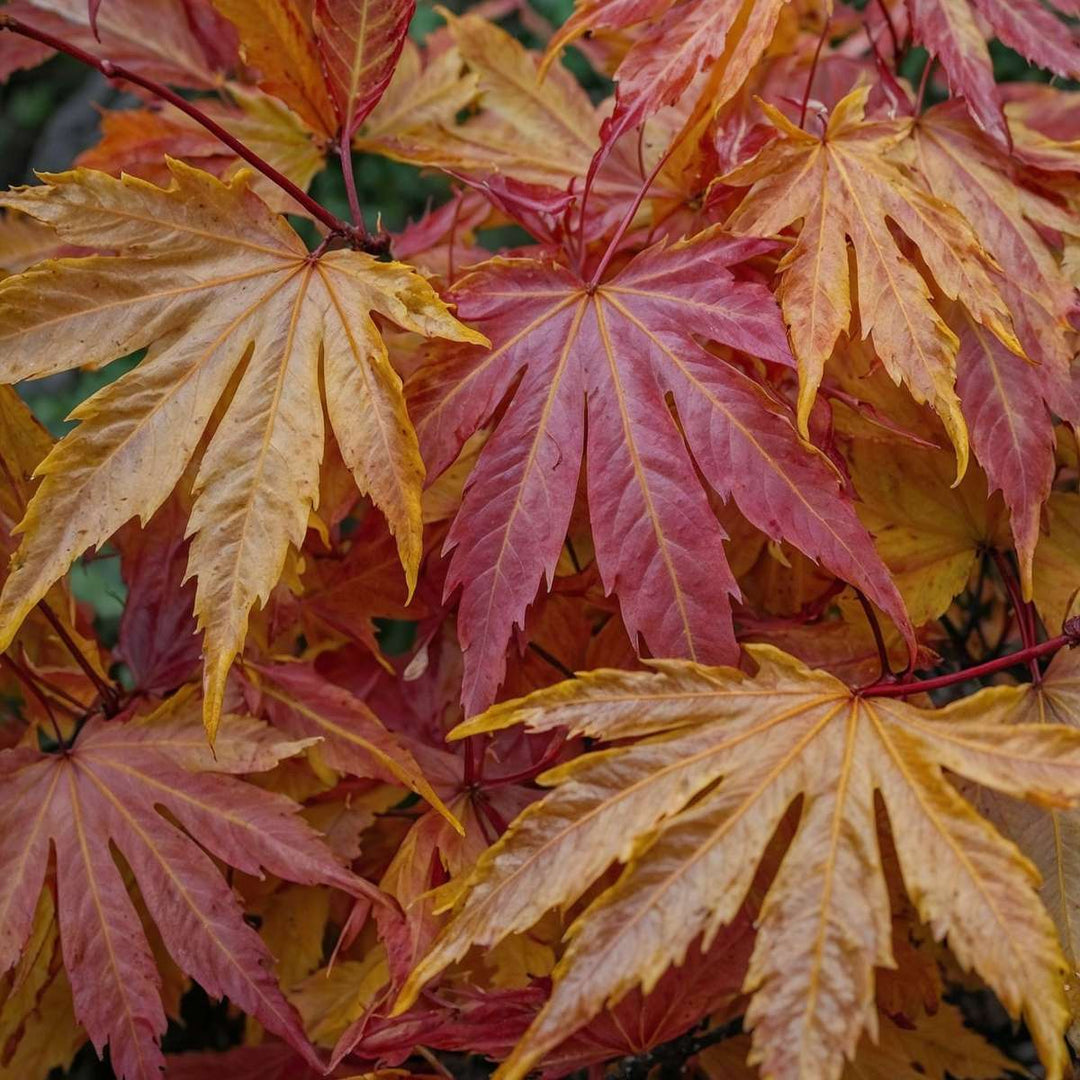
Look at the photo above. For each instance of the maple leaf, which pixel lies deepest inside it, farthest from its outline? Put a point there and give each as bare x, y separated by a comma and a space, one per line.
271, 1061
106, 790
1056, 567
24, 444
1008, 403
359, 42
425, 89
717, 760
303, 703
951, 31
846, 185
222, 290
138, 141
937, 1047
157, 637
161, 39
518, 112
341, 596
1047, 836
38, 1031
278, 40
623, 346
329, 61
689, 37
930, 533
462, 1019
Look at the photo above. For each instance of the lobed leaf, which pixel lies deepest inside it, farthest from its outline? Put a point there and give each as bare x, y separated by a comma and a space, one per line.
109, 789
618, 350
843, 186
718, 758
242, 324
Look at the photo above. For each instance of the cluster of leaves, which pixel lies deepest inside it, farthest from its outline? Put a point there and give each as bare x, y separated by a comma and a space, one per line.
776, 384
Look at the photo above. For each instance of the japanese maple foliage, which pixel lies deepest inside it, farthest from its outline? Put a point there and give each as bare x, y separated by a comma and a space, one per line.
517, 644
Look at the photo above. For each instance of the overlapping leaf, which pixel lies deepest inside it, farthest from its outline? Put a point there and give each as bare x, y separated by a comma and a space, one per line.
157, 638
1008, 402
937, 1047
355, 741
1049, 837
930, 533
242, 323
1056, 567
106, 790
518, 113
715, 762
329, 61
622, 347
951, 30
162, 39
687, 37
278, 41
139, 141
38, 1030
359, 42
425, 90
845, 186
24, 444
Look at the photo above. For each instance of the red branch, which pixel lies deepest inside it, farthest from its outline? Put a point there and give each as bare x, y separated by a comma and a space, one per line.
1070, 637
356, 236
110, 701
628, 217
345, 150
813, 72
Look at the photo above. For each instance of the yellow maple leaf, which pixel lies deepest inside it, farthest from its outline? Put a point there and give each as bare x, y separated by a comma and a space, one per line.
708, 764
331, 999
1049, 837
517, 114
929, 533
847, 184
242, 324
277, 39
1056, 566
420, 94
938, 1047
24, 444
38, 1029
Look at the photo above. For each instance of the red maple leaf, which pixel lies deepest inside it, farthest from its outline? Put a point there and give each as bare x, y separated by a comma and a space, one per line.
624, 345
106, 793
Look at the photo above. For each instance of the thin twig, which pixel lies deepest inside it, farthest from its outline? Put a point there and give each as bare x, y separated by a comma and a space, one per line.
892, 29
356, 237
61, 698
553, 660
345, 153
1020, 606
30, 685
574, 561
991, 667
109, 700
875, 628
813, 72
628, 217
